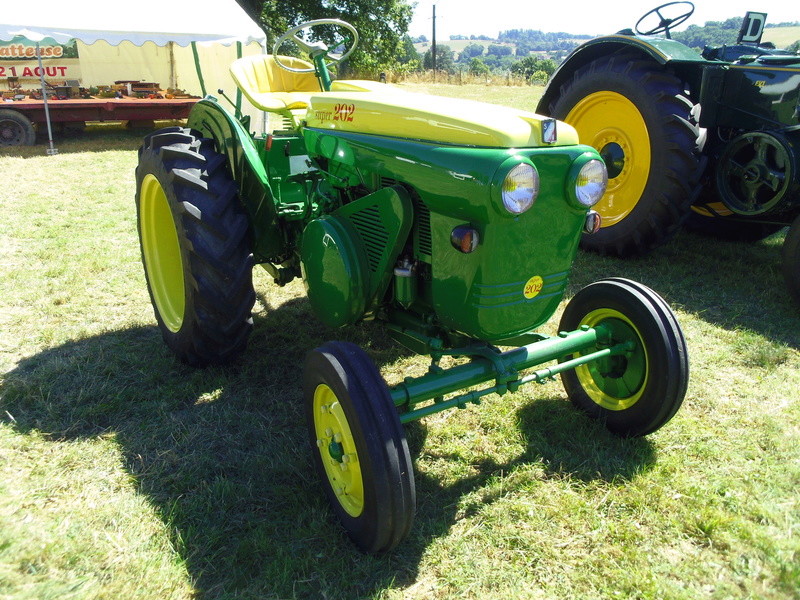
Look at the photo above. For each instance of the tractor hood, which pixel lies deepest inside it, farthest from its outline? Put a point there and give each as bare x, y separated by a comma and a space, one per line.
433, 119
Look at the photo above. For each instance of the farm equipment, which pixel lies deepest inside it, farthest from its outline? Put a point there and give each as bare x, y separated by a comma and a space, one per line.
712, 137
453, 223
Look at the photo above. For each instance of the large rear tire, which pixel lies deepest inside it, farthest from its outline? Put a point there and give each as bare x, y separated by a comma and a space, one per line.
637, 115
637, 392
359, 446
791, 260
196, 247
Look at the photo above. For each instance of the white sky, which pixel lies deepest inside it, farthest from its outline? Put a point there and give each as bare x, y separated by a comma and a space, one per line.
463, 17
593, 17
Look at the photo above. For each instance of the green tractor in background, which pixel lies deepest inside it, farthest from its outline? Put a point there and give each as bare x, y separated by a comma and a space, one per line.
453, 223
709, 139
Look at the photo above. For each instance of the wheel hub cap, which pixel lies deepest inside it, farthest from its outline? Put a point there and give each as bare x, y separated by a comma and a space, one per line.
612, 124
337, 449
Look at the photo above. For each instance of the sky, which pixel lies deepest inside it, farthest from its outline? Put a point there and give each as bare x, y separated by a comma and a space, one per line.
592, 17
453, 17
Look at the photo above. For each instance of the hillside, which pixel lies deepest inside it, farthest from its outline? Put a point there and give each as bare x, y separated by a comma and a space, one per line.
781, 36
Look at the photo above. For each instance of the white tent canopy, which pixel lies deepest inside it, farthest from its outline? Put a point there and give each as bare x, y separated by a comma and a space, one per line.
90, 36
157, 21
180, 44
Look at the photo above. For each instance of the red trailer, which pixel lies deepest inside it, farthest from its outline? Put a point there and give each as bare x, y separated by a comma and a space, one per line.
20, 119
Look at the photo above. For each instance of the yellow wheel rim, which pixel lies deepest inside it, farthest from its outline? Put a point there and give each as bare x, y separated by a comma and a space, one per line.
616, 383
614, 126
162, 253
338, 451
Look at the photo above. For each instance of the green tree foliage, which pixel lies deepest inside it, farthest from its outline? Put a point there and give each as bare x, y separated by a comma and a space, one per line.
530, 65
381, 25
444, 59
409, 59
477, 67
713, 33
499, 50
539, 41
470, 51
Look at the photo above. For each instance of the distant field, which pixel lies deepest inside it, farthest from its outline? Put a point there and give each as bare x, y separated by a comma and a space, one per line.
781, 36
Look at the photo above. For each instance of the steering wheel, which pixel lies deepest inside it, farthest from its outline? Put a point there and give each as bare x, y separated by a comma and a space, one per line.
316, 47
665, 23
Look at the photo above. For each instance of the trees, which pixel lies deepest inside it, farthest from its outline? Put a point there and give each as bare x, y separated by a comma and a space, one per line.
444, 59
534, 69
471, 51
478, 68
381, 25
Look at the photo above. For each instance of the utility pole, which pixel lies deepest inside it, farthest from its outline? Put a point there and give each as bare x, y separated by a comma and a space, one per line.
433, 43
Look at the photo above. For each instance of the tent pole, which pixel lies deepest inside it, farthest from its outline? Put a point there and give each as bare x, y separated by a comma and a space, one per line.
198, 69
238, 91
51, 150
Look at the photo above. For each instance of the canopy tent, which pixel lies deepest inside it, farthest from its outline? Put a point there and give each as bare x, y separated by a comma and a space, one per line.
185, 44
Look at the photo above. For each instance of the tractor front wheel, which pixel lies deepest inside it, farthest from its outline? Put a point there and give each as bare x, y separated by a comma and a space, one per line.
359, 446
637, 115
196, 247
637, 392
791, 260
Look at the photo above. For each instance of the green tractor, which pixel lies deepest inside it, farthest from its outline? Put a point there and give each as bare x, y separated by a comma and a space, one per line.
453, 223
709, 139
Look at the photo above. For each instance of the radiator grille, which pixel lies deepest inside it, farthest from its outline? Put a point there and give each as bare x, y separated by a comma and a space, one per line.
373, 234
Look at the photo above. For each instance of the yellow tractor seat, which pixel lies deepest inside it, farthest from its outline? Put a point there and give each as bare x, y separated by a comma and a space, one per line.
271, 88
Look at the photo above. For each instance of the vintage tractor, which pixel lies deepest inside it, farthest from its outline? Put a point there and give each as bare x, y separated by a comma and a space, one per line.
713, 137
454, 223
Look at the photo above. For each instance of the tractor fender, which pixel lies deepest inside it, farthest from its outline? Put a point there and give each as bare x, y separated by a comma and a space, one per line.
660, 50
248, 171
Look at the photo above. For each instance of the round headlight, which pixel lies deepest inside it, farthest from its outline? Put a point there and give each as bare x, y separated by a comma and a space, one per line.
591, 182
520, 188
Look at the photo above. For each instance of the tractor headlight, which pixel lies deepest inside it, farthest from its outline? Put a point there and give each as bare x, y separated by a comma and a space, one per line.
591, 179
520, 188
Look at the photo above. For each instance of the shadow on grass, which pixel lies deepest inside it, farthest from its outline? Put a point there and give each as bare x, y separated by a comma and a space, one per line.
223, 453
100, 137
733, 285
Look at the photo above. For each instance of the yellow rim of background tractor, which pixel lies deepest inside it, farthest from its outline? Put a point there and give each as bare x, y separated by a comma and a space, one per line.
589, 374
605, 118
162, 253
338, 451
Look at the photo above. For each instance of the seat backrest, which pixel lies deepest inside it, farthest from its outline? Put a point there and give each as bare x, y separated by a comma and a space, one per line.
259, 74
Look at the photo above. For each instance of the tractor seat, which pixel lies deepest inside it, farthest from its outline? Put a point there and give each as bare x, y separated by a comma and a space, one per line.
271, 88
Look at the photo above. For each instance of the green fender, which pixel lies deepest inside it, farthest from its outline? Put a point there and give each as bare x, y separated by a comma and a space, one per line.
687, 62
249, 172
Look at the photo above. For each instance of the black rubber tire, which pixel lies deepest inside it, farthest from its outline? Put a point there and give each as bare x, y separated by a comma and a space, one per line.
16, 129
389, 497
662, 388
674, 168
215, 246
790, 254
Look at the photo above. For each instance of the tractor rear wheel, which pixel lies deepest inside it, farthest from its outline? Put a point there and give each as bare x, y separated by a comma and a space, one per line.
637, 115
359, 446
16, 129
196, 247
791, 260
637, 392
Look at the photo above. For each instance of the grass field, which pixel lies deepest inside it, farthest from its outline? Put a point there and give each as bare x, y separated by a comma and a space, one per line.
782, 37
124, 474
